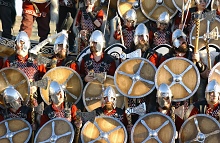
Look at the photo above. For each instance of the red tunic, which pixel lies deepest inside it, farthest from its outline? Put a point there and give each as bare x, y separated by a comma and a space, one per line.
59, 113
109, 68
33, 72
29, 8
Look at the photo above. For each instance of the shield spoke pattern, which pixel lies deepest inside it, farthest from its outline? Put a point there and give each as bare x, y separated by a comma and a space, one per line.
92, 98
153, 9
153, 126
134, 78
195, 129
105, 129
57, 130
15, 129
69, 80
20, 83
181, 75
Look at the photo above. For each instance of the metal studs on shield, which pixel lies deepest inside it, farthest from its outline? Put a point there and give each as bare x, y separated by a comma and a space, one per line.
181, 75
134, 77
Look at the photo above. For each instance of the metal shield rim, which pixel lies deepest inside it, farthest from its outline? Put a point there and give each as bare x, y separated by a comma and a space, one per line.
180, 9
154, 113
28, 124
81, 54
197, 115
51, 70
104, 116
106, 50
63, 119
84, 93
142, 10
146, 60
162, 45
24, 75
195, 68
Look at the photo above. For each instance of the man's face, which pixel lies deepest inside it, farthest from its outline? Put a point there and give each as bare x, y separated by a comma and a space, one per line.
19, 48
61, 51
213, 98
129, 23
163, 26
58, 99
202, 5
182, 49
93, 47
109, 103
142, 43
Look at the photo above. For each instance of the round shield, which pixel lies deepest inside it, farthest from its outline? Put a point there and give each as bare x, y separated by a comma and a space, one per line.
178, 4
104, 129
20, 83
181, 75
153, 9
213, 50
126, 5
134, 77
15, 130
82, 54
153, 126
58, 130
92, 98
162, 49
115, 50
206, 27
200, 128
69, 80
215, 73
6, 47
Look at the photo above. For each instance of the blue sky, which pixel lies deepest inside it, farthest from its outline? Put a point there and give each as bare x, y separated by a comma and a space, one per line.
19, 7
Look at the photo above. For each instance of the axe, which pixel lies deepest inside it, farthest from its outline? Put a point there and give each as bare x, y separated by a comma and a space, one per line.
101, 77
134, 54
140, 109
40, 83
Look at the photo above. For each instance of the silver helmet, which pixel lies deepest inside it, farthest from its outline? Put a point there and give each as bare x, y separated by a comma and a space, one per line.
163, 18
199, 1
164, 95
109, 95
213, 86
141, 29
131, 15
23, 37
91, 2
97, 37
56, 93
12, 98
63, 39
175, 37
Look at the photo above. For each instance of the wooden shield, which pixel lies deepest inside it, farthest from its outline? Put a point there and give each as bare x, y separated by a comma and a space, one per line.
69, 80
58, 130
126, 5
104, 129
46, 51
115, 50
153, 127
16, 78
92, 98
214, 4
205, 27
215, 73
200, 128
181, 75
82, 54
134, 77
178, 4
6, 47
153, 9
15, 130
